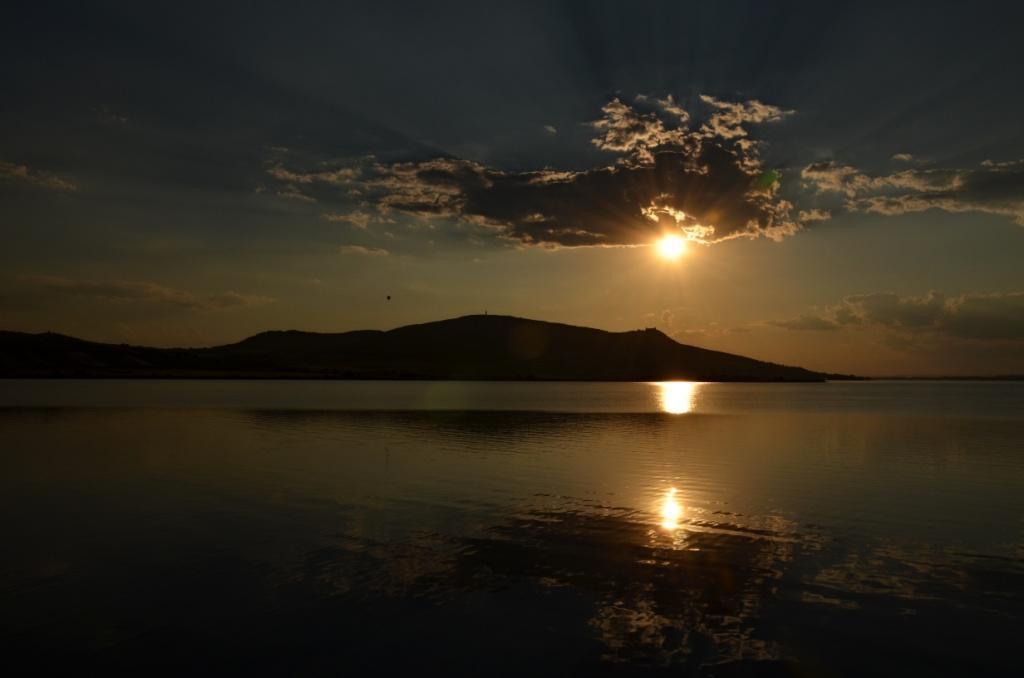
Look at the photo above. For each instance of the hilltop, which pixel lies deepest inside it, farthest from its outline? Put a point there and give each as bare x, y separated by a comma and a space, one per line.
469, 347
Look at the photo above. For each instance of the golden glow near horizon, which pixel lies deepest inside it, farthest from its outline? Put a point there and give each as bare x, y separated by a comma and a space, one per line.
671, 247
671, 510
677, 397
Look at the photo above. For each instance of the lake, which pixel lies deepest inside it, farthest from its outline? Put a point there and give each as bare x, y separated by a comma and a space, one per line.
485, 528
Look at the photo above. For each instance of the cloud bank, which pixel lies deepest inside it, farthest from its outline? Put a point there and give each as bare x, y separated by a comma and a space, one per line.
670, 173
991, 187
967, 316
699, 174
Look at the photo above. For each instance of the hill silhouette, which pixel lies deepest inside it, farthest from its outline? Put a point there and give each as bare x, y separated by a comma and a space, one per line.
469, 347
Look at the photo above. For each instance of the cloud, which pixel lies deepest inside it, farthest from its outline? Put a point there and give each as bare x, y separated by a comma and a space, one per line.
432, 188
35, 177
669, 106
893, 311
132, 291
903, 157
991, 187
986, 316
636, 135
109, 117
731, 118
357, 218
710, 335
807, 216
806, 322
550, 129
997, 316
338, 176
365, 251
292, 193
706, 183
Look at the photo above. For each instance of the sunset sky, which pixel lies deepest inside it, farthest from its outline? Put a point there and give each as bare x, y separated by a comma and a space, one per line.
848, 184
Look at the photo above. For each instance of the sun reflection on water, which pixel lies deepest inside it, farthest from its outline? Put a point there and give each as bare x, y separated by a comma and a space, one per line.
677, 397
671, 510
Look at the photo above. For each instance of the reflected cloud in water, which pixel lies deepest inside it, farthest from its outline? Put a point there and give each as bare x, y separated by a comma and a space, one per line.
678, 397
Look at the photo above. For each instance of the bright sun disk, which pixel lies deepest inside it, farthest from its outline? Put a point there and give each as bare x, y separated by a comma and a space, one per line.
671, 247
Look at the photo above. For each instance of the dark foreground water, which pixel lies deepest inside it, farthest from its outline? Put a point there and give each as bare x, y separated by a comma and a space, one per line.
326, 528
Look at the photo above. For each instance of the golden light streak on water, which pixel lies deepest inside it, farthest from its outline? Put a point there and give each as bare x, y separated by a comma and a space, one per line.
671, 510
677, 397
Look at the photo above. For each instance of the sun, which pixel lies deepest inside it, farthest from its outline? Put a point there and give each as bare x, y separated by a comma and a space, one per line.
671, 247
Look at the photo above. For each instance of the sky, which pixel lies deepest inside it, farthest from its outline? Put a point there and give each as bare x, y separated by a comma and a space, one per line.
847, 178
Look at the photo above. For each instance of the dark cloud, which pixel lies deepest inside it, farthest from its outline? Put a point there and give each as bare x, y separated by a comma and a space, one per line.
891, 310
706, 183
991, 187
143, 292
992, 316
629, 205
968, 316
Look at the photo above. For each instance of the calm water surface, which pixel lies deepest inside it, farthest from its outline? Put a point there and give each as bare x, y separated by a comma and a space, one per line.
360, 528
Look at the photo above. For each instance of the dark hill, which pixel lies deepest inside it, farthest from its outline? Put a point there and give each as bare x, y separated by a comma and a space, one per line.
471, 347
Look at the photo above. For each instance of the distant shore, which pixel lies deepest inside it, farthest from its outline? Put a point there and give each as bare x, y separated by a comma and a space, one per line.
972, 377
307, 376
